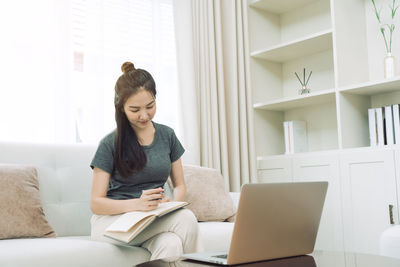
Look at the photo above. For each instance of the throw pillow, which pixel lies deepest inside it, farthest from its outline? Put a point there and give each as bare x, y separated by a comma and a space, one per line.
206, 194
21, 210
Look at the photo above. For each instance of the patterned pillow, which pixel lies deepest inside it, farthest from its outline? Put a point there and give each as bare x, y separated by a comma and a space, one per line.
21, 210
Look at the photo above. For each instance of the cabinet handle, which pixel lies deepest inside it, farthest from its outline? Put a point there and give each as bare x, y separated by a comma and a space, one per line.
391, 213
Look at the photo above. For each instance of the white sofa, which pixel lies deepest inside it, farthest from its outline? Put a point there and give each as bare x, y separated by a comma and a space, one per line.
65, 183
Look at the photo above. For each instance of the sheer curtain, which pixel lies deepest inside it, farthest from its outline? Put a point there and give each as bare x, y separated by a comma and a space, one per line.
60, 61
214, 78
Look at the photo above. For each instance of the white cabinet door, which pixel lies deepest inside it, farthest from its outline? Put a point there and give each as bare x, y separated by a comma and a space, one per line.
324, 168
272, 170
368, 186
396, 206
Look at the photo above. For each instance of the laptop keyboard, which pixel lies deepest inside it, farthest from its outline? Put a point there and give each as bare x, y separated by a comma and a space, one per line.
225, 256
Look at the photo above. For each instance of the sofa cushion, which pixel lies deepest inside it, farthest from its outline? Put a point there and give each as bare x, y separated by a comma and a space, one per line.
68, 251
65, 179
21, 209
215, 236
206, 194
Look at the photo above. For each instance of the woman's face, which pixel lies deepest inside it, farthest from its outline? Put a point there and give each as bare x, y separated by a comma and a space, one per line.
140, 109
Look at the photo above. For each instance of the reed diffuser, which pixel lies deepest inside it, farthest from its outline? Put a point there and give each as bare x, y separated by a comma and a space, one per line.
304, 88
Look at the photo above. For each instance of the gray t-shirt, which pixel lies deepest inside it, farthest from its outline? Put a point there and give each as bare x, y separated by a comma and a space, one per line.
164, 150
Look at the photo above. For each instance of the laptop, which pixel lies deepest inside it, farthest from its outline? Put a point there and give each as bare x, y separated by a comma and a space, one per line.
274, 220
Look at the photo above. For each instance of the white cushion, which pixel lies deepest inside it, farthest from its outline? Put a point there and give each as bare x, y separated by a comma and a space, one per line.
215, 236
389, 244
68, 252
65, 179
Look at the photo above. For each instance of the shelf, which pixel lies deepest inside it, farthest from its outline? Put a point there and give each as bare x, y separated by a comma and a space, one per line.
372, 88
282, 104
279, 6
301, 47
300, 154
365, 149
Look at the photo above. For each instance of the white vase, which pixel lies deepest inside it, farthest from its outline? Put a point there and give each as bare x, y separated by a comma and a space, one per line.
389, 66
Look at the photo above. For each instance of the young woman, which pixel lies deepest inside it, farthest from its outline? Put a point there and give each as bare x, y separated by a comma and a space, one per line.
132, 164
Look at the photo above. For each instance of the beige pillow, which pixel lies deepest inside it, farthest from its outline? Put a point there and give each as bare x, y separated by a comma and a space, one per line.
21, 210
205, 191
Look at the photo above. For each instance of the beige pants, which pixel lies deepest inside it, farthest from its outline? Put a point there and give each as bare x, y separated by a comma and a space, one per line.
166, 237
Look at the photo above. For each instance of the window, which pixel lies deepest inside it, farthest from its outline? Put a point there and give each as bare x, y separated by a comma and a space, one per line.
71, 53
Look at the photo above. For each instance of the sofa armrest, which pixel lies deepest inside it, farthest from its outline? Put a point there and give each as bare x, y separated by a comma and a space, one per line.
235, 197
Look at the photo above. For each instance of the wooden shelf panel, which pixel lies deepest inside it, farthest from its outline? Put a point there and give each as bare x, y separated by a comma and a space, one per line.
301, 47
373, 88
279, 6
282, 104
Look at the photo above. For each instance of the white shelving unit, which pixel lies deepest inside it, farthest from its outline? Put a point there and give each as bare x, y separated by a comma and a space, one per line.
355, 100
340, 42
292, 102
285, 37
302, 47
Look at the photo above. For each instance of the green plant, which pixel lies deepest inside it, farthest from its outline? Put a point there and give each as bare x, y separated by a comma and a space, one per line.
390, 27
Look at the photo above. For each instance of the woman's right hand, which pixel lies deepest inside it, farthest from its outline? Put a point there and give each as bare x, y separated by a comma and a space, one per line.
150, 199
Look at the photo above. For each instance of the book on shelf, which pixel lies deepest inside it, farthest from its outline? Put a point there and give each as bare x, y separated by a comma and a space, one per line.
384, 125
130, 224
286, 135
380, 126
389, 125
295, 136
396, 123
372, 127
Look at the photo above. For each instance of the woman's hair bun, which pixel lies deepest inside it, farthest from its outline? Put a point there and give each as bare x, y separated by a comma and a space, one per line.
127, 67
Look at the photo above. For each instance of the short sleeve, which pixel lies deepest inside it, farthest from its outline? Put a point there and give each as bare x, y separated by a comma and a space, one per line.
104, 157
176, 147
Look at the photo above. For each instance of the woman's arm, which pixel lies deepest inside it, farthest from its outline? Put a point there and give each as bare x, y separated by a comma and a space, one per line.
178, 180
100, 204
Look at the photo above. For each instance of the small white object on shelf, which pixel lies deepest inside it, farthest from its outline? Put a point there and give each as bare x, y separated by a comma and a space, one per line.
396, 123
296, 137
286, 134
380, 126
389, 125
372, 127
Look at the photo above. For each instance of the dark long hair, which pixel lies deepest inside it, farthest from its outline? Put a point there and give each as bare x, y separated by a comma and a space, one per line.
129, 155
